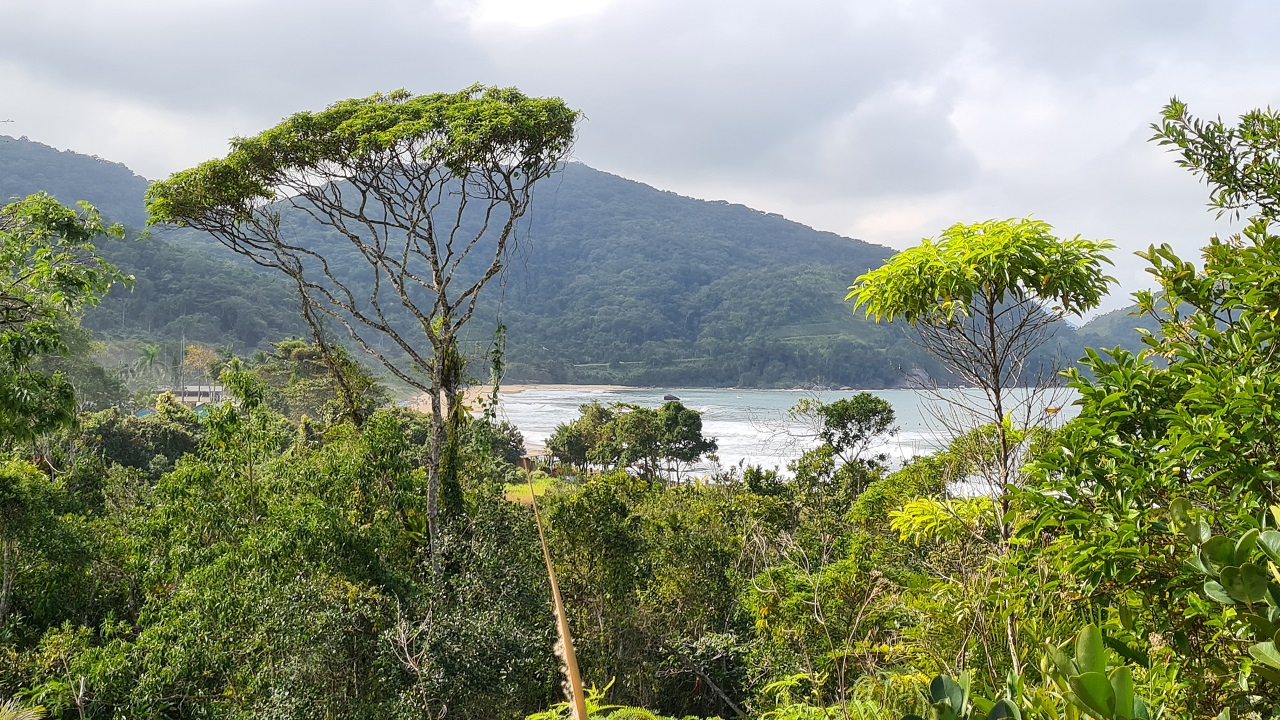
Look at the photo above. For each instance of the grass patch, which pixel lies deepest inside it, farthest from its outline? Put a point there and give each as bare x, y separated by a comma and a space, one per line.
521, 493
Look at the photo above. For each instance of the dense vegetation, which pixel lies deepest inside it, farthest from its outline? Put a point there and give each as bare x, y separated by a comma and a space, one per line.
273, 556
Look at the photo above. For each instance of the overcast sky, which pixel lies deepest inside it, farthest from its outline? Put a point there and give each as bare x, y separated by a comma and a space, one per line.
878, 119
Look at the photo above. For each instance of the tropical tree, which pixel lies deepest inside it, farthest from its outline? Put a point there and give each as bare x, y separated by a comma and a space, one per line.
849, 426
48, 270
982, 298
301, 381
48, 260
682, 440
425, 189
625, 435
146, 365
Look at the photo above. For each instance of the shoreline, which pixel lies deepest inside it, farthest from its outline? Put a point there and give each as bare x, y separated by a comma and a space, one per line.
475, 393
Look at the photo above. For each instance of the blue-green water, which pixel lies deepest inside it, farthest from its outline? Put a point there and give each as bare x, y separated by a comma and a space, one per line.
753, 426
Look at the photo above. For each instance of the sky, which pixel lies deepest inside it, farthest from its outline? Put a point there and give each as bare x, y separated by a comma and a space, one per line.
884, 120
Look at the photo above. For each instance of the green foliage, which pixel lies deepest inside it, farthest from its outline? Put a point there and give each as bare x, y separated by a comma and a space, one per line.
624, 435
96, 387
1123, 328
49, 259
597, 710
153, 444
998, 260
849, 425
178, 293
1089, 679
48, 269
1240, 163
242, 564
1187, 425
11, 710
423, 193
577, 302
1085, 683
831, 619
300, 382
185, 294
927, 476
928, 519
1239, 573
477, 127
768, 315
32, 402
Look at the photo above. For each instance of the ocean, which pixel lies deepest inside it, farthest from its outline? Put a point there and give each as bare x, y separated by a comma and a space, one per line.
753, 426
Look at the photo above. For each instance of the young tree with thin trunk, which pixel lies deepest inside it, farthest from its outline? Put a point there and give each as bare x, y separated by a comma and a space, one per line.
983, 299
426, 190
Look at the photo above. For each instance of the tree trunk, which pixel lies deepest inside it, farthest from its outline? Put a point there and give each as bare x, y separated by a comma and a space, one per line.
444, 491
355, 409
8, 574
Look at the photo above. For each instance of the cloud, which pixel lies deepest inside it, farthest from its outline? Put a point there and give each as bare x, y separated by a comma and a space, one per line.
883, 119
899, 142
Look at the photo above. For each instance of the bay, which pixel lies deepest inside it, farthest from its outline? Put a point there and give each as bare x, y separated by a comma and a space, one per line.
753, 426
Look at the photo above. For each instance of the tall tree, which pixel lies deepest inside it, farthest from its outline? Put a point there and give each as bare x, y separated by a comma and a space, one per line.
983, 297
426, 189
1175, 455
849, 426
682, 441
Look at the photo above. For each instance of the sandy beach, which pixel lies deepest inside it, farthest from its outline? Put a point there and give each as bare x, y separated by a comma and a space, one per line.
477, 392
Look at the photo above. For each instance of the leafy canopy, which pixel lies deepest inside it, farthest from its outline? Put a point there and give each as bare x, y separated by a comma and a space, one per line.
479, 127
996, 260
48, 270
1240, 163
849, 425
47, 259
1161, 495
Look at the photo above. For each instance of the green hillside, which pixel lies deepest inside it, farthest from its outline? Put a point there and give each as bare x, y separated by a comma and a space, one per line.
181, 292
683, 291
615, 281
27, 166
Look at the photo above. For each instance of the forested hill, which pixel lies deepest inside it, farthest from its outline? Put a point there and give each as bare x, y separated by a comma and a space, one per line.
618, 281
27, 166
613, 281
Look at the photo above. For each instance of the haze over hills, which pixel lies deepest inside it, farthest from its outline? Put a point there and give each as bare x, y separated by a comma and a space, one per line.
613, 281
